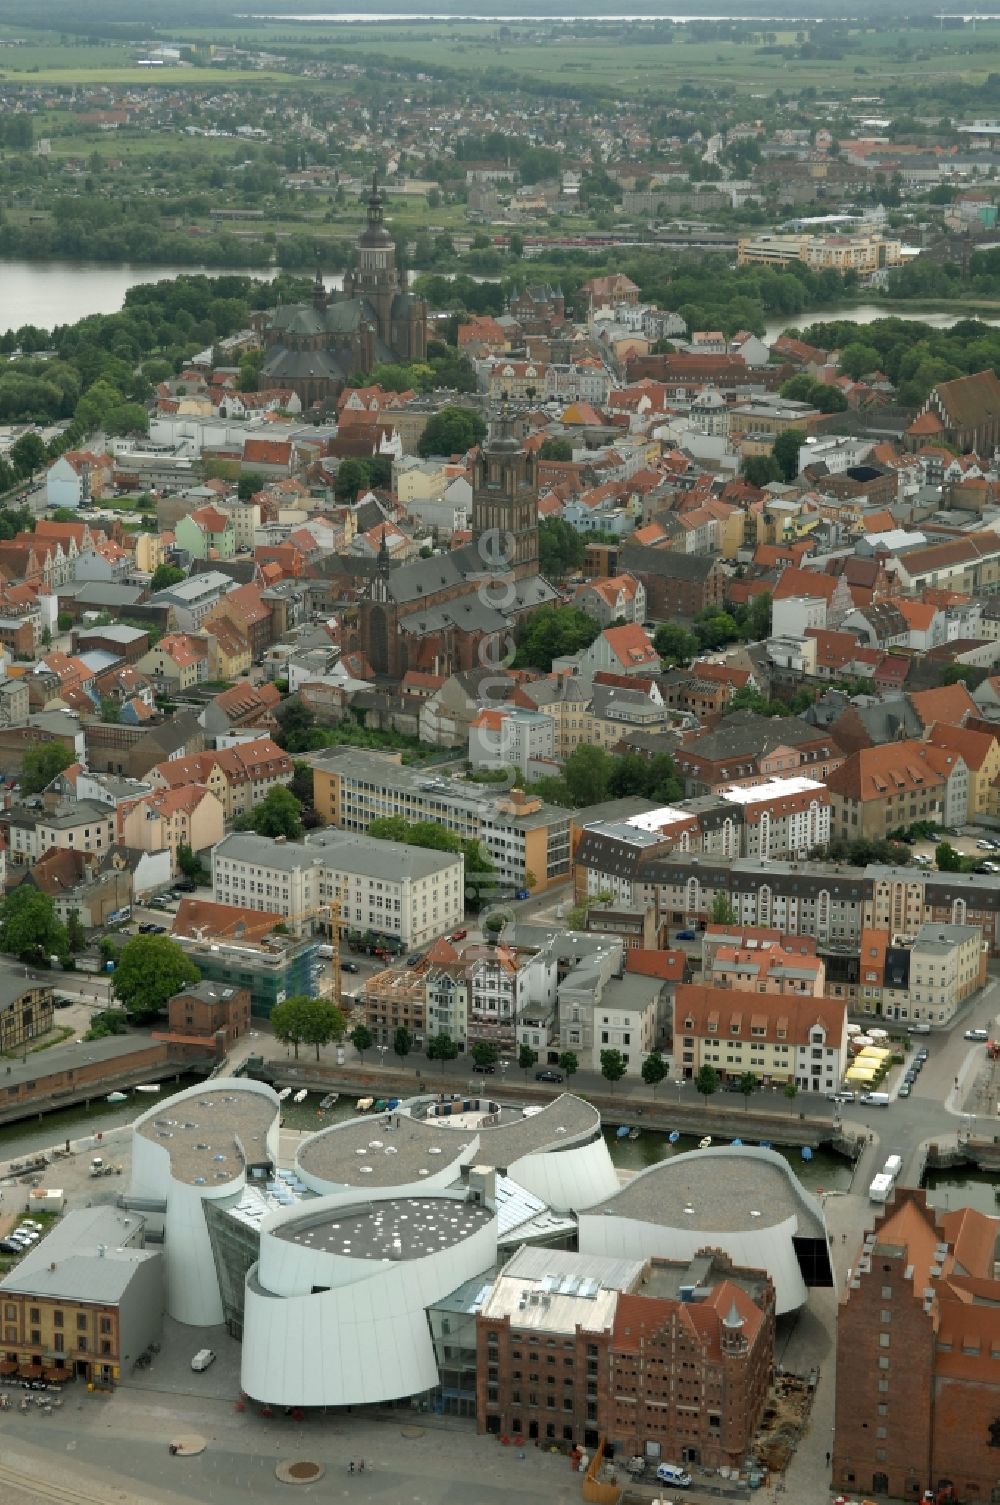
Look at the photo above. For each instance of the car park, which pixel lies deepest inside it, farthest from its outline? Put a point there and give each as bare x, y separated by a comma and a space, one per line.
548, 1076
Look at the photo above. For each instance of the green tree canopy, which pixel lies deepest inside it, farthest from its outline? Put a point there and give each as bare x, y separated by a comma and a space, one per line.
442, 1047
362, 1039
613, 1066
40, 765
278, 814
675, 644
166, 575
304, 1020
654, 1069
29, 928
526, 1058
785, 452
749, 1084
569, 1063
150, 970
484, 1053
561, 548
556, 449
402, 1042
553, 632
452, 431
707, 1081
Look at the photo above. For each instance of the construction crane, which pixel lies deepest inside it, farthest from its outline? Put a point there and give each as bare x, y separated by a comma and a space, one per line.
332, 915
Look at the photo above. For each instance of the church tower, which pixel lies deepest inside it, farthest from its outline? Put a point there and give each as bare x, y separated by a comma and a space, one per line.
376, 276
505, 501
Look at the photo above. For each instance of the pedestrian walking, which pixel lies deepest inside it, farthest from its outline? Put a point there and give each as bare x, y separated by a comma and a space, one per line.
828, 1460
361, 1466
843, 1238
352, 1465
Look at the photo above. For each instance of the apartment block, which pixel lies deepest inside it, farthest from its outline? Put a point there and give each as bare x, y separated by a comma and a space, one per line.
780, 1038
403, 891
525, 838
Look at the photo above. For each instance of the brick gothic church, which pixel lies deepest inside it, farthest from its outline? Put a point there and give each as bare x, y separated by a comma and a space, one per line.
457, 611
314, 347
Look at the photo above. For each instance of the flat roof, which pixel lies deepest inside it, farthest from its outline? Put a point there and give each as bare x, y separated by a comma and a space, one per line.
552, 1290
212, 1136
87, 1256
717, 1190
392, 1149
401, 1228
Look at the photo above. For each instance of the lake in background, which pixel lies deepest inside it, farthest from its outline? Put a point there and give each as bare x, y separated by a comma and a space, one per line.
47, 293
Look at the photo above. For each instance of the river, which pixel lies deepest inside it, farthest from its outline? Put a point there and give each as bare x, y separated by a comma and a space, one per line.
865, 313
47, 293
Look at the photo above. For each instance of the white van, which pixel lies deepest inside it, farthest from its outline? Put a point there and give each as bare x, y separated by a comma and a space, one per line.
670, 1473
202, 1359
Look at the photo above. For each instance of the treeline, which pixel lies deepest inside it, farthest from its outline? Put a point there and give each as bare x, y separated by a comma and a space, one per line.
100, 370
706, 291
922, 278
913, 355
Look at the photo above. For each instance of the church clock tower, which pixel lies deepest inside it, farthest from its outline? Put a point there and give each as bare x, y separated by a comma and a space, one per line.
505, 501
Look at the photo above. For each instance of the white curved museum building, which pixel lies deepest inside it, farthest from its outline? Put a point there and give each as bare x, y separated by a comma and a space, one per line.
197, 1148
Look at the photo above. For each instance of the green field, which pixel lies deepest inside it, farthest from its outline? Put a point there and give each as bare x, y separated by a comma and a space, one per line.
612, 59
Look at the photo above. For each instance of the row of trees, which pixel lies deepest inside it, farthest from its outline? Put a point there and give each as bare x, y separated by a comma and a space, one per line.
591, 775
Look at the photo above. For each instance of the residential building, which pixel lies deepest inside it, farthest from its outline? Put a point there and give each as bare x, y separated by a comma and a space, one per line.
880, 789
212, 1011
25, 1008
624, 650
191, 600
747, 749
82, 826
178, 662
85, 1302
511, 738
612, 598
407, 892
523, 835
865, 252
207, 533
781, 1038
168, 819
673, 1353
243, 952
627, 1018
77, 478
240, 776
676, 584
917, 1394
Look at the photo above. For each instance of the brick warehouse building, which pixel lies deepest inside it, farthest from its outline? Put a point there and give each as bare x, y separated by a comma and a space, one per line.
918, 1357
578, 1348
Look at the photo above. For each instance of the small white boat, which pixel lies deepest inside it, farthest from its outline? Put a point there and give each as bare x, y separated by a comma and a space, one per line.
285, 1092
301, 1095
329, 1101
117, 1097
148, 1087
364, 1104
703, 1144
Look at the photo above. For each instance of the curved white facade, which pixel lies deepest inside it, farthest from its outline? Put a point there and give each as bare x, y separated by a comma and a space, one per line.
570, 1179
324, 1328
558, 1154
188, 1150
745, 1201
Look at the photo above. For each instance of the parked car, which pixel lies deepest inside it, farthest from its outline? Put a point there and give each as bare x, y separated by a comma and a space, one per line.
458, 935
977, 1034
548, 1076
840, 1097
186, 885
349, 967
60, 1001
203, 1358
483, 1070
922, 1054
7, 1246
905, 1089
686, 935
147, 927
